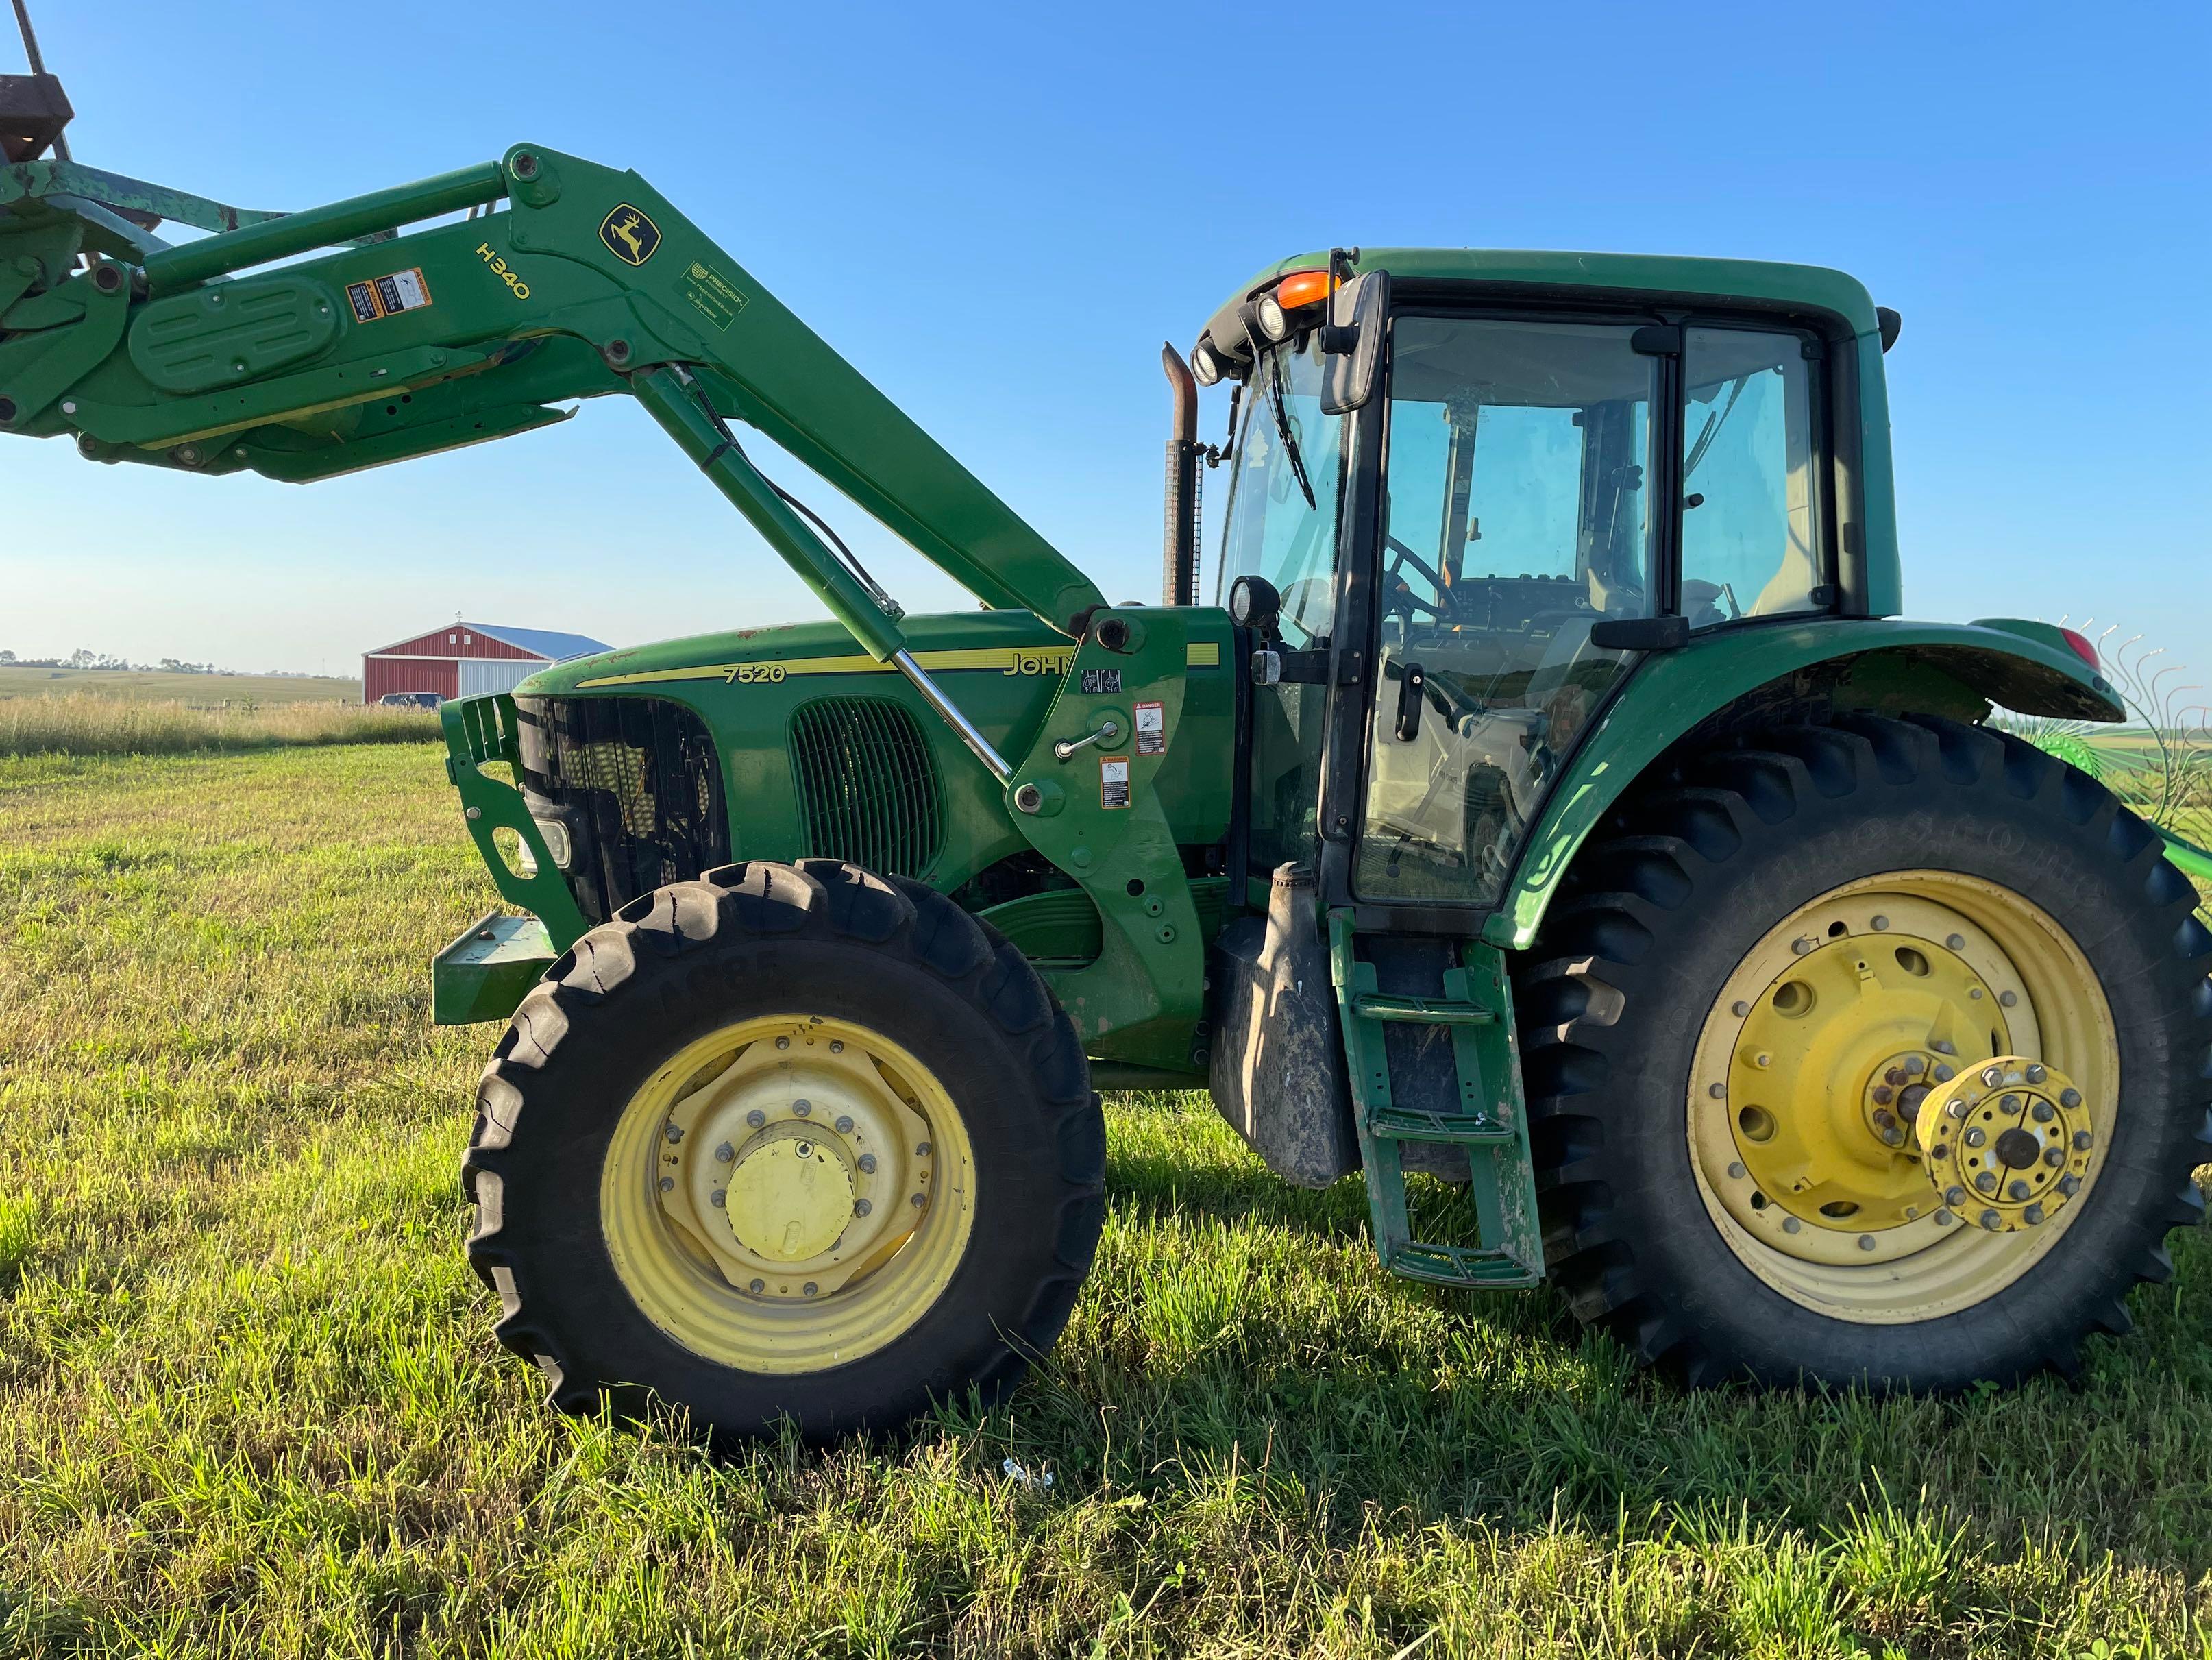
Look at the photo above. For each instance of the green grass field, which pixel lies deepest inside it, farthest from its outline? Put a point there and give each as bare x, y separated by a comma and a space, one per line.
196, 690
250, 1403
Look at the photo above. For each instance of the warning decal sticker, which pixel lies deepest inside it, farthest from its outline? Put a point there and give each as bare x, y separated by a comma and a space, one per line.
1096, 681
1114, 781
1152, 728
387, 296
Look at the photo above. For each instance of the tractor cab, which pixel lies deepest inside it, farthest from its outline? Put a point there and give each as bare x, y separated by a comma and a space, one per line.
1538, 489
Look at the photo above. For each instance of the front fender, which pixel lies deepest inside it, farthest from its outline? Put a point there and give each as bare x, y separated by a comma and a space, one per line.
1948, 668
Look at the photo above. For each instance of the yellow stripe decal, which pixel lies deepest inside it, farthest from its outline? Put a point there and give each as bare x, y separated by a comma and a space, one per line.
996, 660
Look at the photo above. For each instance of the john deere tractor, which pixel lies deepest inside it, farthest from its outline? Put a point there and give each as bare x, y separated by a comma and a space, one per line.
1547, 812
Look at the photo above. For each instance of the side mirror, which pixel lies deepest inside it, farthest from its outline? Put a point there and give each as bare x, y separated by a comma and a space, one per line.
1352, 339
1641, 633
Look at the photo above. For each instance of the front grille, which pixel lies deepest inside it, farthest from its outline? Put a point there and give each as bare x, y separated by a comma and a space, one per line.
637, 782
868, 784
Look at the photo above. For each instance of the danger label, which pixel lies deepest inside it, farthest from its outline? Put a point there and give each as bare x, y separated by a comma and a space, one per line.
387, 296
1096, 681
1152, 728
1114, 781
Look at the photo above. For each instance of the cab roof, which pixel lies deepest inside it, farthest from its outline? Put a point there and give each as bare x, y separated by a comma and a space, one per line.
1759, 284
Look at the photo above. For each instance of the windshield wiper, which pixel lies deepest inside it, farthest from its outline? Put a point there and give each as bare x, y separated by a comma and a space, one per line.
1276, 396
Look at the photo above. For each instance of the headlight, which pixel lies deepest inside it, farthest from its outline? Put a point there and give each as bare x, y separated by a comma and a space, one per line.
1274, 323
557, 840
1205, 365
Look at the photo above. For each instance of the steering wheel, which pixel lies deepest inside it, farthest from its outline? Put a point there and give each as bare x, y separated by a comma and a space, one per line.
1398, 595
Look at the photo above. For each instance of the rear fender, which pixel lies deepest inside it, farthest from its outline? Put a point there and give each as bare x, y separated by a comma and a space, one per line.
1764, 669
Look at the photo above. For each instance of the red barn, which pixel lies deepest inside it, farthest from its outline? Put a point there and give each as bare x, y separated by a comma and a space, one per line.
462, 659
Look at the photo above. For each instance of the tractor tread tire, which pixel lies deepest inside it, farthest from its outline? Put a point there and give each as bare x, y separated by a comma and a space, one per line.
1602, 992
661, 961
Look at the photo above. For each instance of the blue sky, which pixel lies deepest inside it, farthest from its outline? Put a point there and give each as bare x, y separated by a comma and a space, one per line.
999, 213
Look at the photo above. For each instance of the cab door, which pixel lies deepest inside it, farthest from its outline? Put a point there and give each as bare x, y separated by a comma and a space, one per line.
1517, 500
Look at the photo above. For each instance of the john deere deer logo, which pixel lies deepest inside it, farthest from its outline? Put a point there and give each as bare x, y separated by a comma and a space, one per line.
629, 235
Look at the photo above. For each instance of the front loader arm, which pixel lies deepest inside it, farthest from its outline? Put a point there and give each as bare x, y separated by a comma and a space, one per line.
587, 282
371, 347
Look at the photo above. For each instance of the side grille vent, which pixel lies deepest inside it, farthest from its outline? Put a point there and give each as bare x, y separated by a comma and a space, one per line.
868, 784
637, 783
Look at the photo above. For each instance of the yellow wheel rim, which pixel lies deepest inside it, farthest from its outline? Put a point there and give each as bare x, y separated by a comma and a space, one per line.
788, 1193
1843, 1037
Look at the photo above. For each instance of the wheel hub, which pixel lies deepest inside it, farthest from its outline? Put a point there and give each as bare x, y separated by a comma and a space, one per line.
2005, 1145
796, 1167
1838, 1057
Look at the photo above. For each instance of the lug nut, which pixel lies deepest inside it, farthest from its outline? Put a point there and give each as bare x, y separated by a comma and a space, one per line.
1801, 945
758, 1286
2037, 1071
1881, 925
1914, 1066
2043, 1112
1986, 1181
2010, 1103
919, 1201
1895, 1075
1943, 1150
1883, 1095
1975, 1136
1866, 1242
1944, 1074
836, 1046
2018, 1190
1958, 1109
867, 1162
1735, 1172
2070, 1097
1790, 1225
2054, 1157
810, 1288
2007, 998
2070, 1185
756, 1118
673, 1134
783, 1043
844, 1125
2032, 1216
1992, 1077
922, 1149
1991, 1220
720, 1199
804, 1108
724, 1153
668, 1184
1954, 941
861, 1207
1718, 1091
1739, 1008
1955, 1196
1944, 1219
2083, 1139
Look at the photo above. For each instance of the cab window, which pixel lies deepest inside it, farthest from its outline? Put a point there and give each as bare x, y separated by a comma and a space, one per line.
1750, 499
1517, 515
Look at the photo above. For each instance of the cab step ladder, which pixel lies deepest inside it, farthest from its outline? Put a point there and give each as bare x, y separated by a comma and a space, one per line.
1493, 1122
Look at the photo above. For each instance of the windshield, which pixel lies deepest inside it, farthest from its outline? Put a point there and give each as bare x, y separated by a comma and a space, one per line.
1271, 530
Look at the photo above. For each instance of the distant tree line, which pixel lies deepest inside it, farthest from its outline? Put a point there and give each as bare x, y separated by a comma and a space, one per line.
83, 658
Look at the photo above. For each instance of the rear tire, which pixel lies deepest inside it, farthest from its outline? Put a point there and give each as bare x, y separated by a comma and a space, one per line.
961, 1020
1628, 980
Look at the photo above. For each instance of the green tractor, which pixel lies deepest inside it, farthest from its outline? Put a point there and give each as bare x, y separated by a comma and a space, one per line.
1549, 803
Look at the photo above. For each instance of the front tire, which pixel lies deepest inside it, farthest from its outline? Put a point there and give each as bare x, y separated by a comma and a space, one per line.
796, 1142
1772, 957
